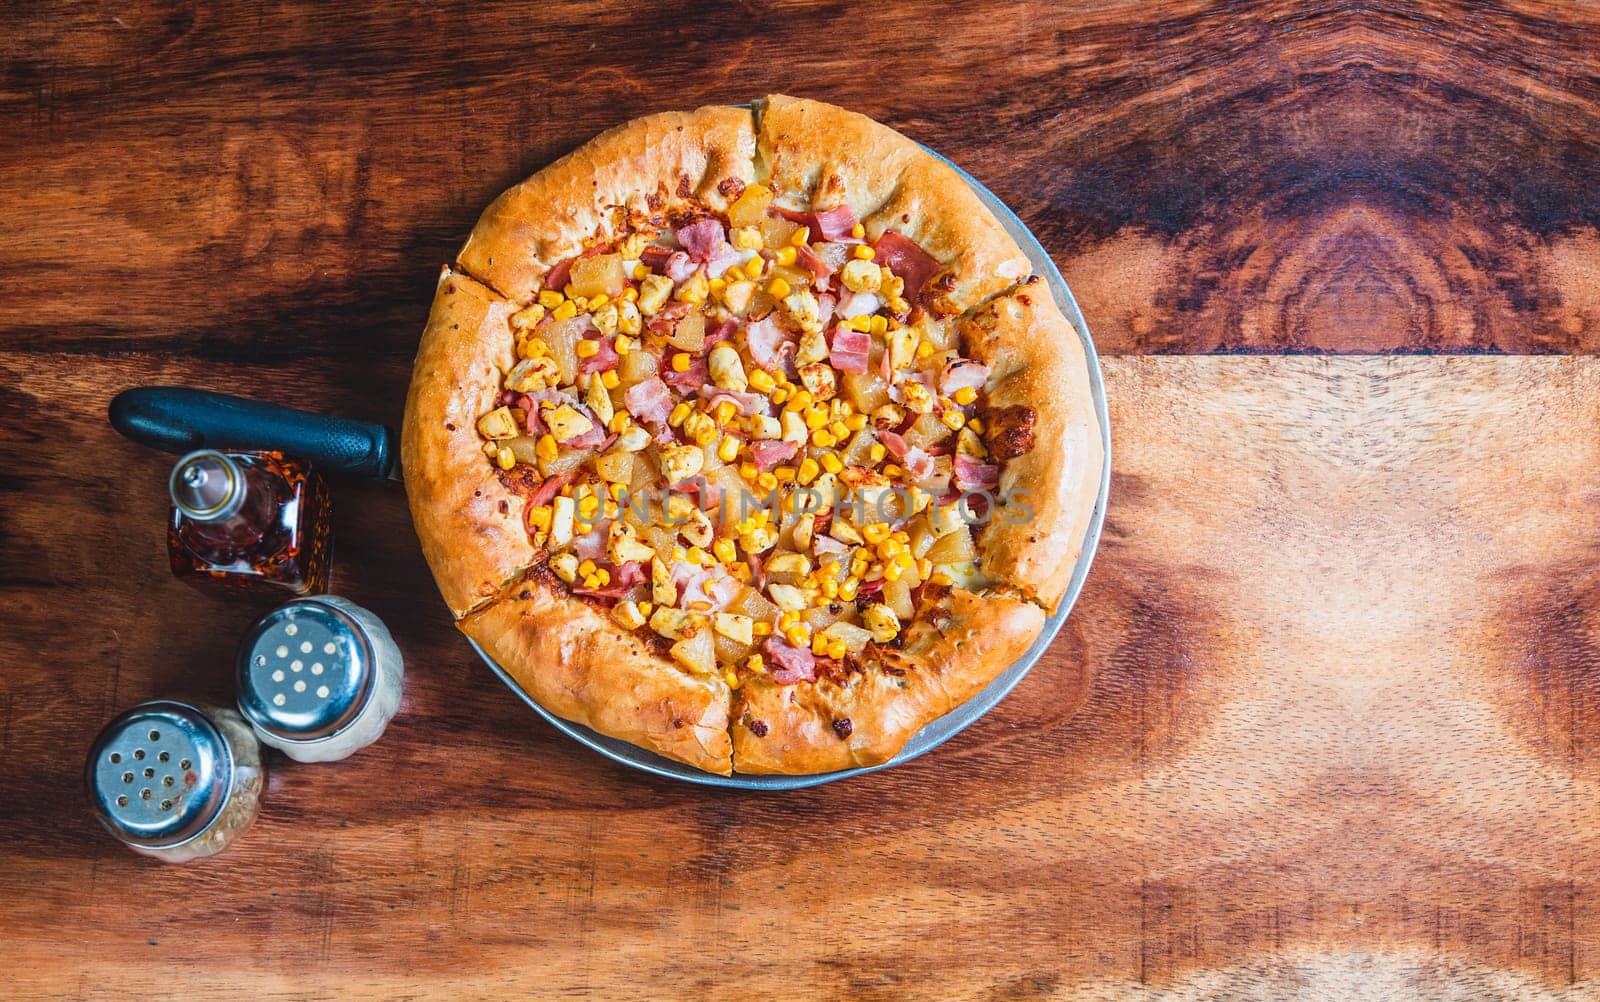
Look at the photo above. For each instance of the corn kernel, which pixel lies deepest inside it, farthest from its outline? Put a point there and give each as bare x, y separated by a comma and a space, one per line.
858, 231
505, 458
799, 635
762, 629
801, 236
836, 649
855, 422
550, 299
942, 578
780, 395
822, 438
953, 420
808, 470
728, 449
546, 448
717, 284
724, 550
877, 452
699, 556
787, 256
924, 349
819, 645
604, 576
610, 380
748, 470
880, 325
631, 294
863, 252
830, 587
891, 573
679, 413
847, 590
588, 348
840, 430
831, 462
761, 382
724, 411
755, 663
815, 417
767, 481
778, 288
640, 271
875, 533
976, 424
566, 311
681, 361
598, 301
586, 568
965, 395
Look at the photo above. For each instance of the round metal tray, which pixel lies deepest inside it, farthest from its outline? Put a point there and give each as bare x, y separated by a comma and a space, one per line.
957, 720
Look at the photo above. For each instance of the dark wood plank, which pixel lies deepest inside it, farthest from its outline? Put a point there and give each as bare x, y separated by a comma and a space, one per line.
1330, 177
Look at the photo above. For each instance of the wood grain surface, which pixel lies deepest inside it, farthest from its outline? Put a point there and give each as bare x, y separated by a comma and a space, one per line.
1325, 723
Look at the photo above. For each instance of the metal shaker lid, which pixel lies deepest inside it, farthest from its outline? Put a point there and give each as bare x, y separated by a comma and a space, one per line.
306, 671
206, 485
159, 774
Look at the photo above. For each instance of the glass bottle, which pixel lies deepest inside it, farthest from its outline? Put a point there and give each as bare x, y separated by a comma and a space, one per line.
252, 521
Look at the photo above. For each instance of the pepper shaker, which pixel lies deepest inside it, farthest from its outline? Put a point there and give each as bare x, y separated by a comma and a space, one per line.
174, 780
319, 678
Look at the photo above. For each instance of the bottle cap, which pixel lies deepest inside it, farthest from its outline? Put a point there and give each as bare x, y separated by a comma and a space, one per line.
159, 774
306, 671
206, 485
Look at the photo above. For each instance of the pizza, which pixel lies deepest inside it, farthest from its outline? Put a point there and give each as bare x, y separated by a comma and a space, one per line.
747, 436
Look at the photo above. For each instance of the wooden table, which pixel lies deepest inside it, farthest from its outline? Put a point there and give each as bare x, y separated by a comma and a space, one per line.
1343, 732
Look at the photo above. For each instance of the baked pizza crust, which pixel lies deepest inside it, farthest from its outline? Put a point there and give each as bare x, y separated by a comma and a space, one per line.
580, 665
471, 526
637, 171
1037, 361
961, 645
818, 155
568, 654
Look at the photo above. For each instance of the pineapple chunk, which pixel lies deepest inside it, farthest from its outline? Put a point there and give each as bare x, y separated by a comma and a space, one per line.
602, 273
674, 624
787, 597
663, 591
750, 209
627, 615
567, 422
735, 627
852, 636
633, 440
790, 566
615, 467
763, 426
697, 652
498, 424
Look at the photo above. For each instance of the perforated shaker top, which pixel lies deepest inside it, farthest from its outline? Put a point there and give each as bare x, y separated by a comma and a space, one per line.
159, 774
306, 671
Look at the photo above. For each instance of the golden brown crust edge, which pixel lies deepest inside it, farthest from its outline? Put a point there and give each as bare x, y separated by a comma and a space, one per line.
579, 665
1037, 361
949, 656
816, 151
470, 525
638, 170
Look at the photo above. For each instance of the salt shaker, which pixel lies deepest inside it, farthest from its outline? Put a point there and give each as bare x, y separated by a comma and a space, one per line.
177, 781
319, 678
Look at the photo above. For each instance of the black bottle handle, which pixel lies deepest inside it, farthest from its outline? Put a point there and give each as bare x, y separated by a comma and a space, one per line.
178, 419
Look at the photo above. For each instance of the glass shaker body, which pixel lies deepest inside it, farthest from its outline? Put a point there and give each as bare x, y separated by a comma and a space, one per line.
176, 781
319, 678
